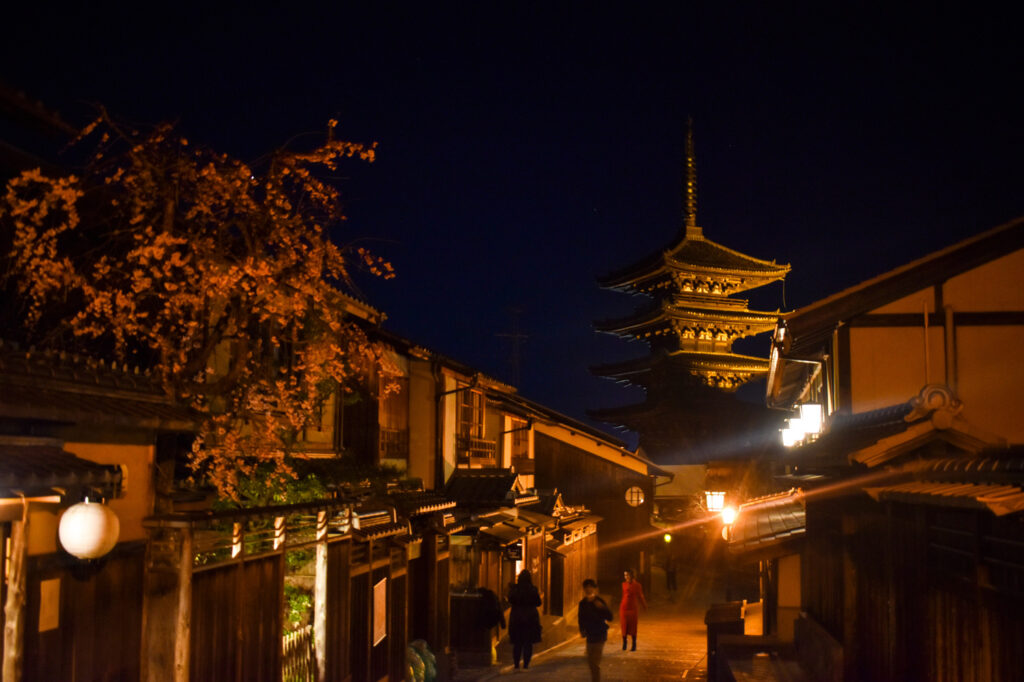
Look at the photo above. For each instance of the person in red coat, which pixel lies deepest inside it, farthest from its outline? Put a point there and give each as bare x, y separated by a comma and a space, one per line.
629, 609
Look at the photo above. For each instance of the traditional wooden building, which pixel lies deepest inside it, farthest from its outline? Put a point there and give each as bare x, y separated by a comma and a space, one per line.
73, 428
690, 322
911, 564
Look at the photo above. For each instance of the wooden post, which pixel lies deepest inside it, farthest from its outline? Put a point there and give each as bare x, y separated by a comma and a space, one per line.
320, 597
14, 609
167, 605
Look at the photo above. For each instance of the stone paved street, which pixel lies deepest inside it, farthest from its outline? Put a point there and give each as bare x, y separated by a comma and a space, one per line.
671, 646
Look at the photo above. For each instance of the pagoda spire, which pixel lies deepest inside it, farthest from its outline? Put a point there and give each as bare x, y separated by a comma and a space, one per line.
691, 185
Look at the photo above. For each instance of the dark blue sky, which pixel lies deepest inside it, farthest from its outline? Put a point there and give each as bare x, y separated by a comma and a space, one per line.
526, 148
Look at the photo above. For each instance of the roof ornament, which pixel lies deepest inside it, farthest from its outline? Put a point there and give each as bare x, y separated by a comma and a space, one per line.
692, 231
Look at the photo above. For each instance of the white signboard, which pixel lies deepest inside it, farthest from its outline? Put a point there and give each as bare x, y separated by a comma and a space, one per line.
380, 611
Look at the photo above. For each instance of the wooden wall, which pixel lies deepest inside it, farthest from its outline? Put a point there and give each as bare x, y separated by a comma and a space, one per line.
98, 635
583, 478
917, 593
236, 621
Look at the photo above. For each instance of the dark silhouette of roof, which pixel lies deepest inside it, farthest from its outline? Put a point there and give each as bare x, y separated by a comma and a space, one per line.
43, 467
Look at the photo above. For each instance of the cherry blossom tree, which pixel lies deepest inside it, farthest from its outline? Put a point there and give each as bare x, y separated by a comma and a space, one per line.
219, 276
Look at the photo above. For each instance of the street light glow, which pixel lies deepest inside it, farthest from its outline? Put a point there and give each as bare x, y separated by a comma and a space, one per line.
729, 516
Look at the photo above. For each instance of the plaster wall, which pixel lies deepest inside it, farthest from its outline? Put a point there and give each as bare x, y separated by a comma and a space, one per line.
138, 495
990, 372
42, 529
996, 285
887, 364
789, 580
422, 422
448, 421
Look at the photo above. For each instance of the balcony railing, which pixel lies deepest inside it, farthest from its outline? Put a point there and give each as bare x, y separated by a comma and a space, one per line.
394, 443
476, 451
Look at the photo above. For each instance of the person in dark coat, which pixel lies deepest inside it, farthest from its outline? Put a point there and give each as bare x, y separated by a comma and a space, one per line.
523, 619
593, 615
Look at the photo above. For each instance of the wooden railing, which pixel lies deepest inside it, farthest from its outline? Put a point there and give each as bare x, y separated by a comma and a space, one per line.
299, 661
479, 451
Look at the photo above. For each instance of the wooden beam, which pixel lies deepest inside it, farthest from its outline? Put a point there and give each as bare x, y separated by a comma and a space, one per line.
320, 634
14, 609
167, 605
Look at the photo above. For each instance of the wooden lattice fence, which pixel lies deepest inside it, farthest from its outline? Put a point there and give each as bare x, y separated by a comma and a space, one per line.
299, 662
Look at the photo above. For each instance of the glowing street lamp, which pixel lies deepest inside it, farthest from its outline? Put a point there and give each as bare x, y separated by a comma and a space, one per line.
810, 418
728, 518
714, 500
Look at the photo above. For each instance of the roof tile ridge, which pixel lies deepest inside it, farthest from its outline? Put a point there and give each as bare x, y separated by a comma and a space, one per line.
703, 238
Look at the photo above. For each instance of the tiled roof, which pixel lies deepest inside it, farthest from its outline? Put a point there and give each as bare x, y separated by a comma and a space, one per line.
481, 486
382, 530
538, 519
65, 388
663, 314
414, 503
39, 469
699, 254
993, 480
682, 359
503, 534
768, 522
999, 499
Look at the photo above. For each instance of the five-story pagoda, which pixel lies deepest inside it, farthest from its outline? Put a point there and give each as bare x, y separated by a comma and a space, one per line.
690, 322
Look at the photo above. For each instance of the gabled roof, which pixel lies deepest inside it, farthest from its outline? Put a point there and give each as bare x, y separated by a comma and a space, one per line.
813, 322
803, 334
693, 252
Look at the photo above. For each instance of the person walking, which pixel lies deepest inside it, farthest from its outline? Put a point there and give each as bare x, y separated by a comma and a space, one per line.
671, 567
629, 609
523, 619
593, 616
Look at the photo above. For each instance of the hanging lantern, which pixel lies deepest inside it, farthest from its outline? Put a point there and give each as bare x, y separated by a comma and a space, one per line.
811, 418
714, 500
88, 530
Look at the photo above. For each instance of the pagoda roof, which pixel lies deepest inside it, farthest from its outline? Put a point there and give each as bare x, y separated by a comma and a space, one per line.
683, 359
694, 253
652, 316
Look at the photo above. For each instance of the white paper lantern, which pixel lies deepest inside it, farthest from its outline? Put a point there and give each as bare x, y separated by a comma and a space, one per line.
88, 530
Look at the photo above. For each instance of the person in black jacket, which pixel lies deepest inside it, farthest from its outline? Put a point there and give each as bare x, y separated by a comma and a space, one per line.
523, 619
593, 616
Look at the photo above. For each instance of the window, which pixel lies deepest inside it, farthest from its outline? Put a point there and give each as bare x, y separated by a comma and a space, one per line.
393, 417
471, 413
634, 496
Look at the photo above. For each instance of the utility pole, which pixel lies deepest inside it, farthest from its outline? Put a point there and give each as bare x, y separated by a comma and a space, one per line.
517, 338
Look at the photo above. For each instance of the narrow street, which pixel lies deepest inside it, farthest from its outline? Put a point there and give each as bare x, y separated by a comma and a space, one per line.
672, 644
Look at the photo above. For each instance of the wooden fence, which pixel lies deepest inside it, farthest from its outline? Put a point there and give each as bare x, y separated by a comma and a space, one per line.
214, 590
299, 661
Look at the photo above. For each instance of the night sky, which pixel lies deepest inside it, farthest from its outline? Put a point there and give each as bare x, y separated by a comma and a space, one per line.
526, 148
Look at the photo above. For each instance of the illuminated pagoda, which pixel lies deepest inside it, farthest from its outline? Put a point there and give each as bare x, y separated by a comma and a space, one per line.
690, 322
